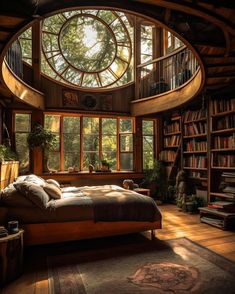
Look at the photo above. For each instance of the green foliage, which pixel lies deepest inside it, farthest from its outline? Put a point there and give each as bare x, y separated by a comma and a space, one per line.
6, 154
158, 176
39, 137
104, 162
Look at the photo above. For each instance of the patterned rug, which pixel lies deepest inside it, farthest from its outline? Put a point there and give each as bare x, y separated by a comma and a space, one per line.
174, 266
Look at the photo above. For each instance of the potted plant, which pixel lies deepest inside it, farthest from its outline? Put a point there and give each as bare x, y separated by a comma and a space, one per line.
104, 165
46, 140
156, 180
192, 203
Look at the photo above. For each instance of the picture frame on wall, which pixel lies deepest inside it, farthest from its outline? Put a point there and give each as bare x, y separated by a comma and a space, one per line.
70, 98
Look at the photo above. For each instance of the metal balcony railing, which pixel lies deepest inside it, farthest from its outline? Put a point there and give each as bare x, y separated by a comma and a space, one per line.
14, 59
166, 73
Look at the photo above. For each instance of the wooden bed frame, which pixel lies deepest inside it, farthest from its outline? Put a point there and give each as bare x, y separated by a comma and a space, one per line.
45, 233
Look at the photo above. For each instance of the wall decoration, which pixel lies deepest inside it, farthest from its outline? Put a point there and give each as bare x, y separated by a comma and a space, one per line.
70, 98
89, 101
106, 102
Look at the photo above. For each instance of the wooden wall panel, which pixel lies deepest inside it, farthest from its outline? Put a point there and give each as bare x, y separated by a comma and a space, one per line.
113, 101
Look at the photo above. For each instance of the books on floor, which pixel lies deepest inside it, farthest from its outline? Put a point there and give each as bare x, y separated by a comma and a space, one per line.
225, 206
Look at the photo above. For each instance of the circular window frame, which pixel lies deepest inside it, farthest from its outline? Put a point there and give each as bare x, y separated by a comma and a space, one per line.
81, 73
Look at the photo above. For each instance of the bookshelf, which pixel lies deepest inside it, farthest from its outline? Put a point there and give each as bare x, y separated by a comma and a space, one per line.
171, 150
194, 146
221, 189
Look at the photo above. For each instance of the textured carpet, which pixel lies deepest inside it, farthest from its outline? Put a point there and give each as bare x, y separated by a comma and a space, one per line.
143, 266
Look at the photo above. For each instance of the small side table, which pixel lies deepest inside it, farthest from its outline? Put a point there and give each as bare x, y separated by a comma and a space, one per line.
143, 191
11, 257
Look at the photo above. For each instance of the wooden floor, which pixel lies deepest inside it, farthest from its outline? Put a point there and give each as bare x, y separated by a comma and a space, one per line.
175, 224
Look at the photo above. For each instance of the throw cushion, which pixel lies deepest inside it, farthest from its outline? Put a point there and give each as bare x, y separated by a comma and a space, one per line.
54, 182
52, 190
33, 192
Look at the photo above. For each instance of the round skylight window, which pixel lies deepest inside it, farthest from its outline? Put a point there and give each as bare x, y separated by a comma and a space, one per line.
88, 48
94, 42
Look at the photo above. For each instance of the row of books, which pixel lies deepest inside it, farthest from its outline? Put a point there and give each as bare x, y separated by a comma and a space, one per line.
223, 160
194, 115
226, 122
172, 127
224, 142
195, 129
223, 105
229, 190
172, 141
195, 161
196, 174
224, 206
167, 155
228, 177
194, 145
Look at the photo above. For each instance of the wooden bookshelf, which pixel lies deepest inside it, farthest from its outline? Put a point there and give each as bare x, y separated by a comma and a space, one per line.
171, 151
194, 147
221, 160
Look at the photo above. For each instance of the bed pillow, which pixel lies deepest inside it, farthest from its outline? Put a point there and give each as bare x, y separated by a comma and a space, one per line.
12, 198
53, 182
35, 179
34, 193
52, 190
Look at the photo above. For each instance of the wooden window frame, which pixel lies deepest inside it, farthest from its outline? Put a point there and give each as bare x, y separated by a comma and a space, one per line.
100, 117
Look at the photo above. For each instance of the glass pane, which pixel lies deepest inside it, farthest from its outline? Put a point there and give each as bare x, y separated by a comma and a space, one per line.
54, 161
126, 142
71, 142
147, 127
148, 160
148, 143
71, 124
72, 160
111, 157
22, 122
126, 161
22, 150
90, 158
109, 143
109, 126
90, 125
90, 143
52, 123
126, 125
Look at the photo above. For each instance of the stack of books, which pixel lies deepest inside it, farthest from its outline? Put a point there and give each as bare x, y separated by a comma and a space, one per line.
3, 232
229, 179
213, 221
225, 206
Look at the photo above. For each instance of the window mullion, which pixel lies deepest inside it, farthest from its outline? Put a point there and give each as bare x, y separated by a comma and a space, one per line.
118, 144
62, 142
81, 143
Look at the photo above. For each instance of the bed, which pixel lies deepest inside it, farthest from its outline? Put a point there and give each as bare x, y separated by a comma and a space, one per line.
49, 213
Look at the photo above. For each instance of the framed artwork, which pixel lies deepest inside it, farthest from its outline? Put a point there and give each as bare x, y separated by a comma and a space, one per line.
70, 98
106, 102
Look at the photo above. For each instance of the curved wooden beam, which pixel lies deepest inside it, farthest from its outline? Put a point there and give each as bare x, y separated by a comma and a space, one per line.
22, 91
194, 10
170, 99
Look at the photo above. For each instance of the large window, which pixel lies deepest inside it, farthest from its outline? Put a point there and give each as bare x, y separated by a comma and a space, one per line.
88, 48
148, 143
25, 40
22, 127
171, 42
84, 140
